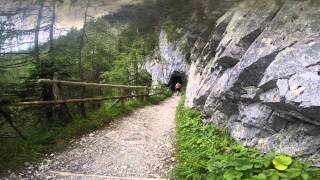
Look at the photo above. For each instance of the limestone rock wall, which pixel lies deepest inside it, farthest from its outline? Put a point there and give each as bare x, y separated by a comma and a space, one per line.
258, 75
167, 59
255, 70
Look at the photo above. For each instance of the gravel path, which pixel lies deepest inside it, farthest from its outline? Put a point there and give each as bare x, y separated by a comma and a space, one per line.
139, 145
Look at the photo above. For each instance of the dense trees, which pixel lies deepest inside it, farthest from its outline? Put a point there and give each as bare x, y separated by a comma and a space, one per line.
109, 49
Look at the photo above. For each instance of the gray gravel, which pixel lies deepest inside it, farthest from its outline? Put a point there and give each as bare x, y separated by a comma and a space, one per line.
139, 145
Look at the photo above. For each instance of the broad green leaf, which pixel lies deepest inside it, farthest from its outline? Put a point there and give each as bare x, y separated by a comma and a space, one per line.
210, 165
313, 170
211, 177
294, 172
297, 164
285, 160
282, 162
232, 174
305, 176
279, 166
244, 167
274, 177
267, 162
282, 175
259, 177
258, 166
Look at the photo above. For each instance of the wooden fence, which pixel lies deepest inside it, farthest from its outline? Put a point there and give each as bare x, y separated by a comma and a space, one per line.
57, 92
60, 97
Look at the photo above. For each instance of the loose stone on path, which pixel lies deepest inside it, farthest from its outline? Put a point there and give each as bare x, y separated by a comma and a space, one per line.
137, 146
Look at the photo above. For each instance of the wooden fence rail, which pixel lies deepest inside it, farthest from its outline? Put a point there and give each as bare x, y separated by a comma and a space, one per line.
60, 103
75, 101
72, 83
58, 99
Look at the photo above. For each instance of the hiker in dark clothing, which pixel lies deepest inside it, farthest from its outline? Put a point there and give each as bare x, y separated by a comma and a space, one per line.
178, 88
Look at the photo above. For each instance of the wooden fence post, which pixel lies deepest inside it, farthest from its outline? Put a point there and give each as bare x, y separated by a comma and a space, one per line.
57, 94
123, 93
56, 89
100, 95
82, 106
146, 93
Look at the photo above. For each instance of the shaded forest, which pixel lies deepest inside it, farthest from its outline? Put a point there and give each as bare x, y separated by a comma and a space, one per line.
109, 49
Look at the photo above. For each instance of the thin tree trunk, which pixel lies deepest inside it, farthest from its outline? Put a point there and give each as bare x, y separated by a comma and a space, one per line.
47, 90
93, 72
51, 33
63, 111
83, 32
80, 66
36, 52
94, 78
135, 72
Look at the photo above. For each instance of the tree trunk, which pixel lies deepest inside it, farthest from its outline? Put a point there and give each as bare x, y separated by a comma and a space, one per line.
51, 33
47, 90
63, 111
93, 70
36, 52
83, 32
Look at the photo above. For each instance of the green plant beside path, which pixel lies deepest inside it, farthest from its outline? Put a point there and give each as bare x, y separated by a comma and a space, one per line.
206, 152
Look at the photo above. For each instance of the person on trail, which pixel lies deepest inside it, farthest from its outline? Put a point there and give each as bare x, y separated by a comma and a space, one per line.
178, 88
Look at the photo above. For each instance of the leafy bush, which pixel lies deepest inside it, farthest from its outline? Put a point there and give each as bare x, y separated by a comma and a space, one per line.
206, 152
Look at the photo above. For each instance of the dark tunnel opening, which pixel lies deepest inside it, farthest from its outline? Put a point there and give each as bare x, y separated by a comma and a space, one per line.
177, 77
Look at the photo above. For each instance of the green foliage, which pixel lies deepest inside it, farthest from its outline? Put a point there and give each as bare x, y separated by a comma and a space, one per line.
206, 152
172, 30
177, 19
14, 153
128, 64
114, 51
282, 162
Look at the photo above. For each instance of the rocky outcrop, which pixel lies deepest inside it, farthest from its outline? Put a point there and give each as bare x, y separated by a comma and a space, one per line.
258, 74
166, 60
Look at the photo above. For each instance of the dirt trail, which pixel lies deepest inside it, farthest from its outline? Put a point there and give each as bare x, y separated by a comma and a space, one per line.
139, 145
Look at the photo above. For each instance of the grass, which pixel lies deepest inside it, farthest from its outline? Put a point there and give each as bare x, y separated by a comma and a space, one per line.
207, 152
14, 153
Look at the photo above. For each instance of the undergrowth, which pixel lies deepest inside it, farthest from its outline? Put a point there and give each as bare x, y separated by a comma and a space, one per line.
206, 152
14, 153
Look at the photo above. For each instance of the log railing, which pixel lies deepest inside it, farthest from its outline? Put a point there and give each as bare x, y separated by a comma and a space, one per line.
58, 99
59, 91
72, 83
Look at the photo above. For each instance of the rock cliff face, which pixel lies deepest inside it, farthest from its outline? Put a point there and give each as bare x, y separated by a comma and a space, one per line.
166, 60
258, 75
256, 72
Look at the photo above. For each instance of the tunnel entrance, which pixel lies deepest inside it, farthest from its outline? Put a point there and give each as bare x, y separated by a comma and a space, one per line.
177, 77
